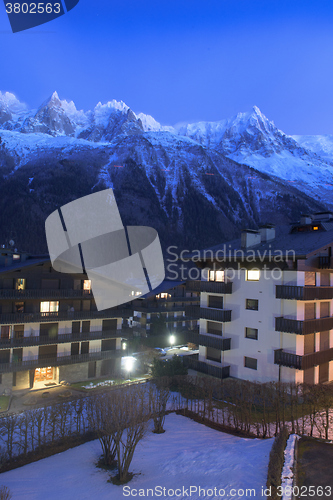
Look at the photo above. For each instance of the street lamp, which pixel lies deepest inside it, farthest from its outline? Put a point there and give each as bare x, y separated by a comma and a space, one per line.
172, 341
128, 363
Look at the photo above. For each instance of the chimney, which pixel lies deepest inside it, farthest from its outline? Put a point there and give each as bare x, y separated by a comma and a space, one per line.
306, 219
250, 237
267, 232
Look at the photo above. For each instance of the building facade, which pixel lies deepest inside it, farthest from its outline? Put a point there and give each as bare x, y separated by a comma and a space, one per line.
50, 329
267, 299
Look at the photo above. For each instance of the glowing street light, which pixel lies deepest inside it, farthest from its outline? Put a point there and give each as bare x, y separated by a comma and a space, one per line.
128, 364
172, 340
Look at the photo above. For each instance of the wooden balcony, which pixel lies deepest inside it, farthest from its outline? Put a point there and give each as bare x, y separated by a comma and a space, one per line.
325, 262
45, 294
303, 327
43, 317
302, 362
38, 362
193, 363
303, 292
64, 338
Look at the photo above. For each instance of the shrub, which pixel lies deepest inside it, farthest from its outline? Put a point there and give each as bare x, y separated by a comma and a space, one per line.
276, 462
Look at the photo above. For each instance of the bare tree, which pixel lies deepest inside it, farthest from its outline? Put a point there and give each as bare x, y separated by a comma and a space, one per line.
5, 493
159, 394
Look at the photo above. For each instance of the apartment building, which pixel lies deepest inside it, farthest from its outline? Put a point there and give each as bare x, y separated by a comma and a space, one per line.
163, 309
50, 329
266, 304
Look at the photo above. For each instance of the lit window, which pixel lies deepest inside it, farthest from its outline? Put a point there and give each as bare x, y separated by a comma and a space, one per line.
216, 275
86, 284
165, 295
252, 275
46, 307
219, 276
20, 284
16, 256
315, 228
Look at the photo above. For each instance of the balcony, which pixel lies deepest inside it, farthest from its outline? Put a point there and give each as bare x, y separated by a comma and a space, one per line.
303, 293
46, 294
215, 287
303, 327
222, 315
193, 363
209, 286
64, 338
222, 344
37, 362
325, 262
196, 312
43, 317
283, 358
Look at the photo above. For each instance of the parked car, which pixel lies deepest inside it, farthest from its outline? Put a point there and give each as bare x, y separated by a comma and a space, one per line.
160, 351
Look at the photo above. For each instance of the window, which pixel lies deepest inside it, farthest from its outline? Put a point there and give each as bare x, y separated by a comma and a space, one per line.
20, 284
5, 332
16, 256
251, 333
213, 354
214, 328
46, 307
250, 363
216, 276
309, 279
215, 301
252, 275
19, 307
86, 284
252, 304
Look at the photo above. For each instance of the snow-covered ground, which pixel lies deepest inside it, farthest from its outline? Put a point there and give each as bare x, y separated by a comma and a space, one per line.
187, 455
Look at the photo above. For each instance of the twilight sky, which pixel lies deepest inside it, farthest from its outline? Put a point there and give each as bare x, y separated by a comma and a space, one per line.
182, 60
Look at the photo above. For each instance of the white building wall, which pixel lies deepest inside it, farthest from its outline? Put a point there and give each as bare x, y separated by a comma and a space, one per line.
263, 320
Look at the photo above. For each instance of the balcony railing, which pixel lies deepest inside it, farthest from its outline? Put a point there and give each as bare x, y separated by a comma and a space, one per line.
192, 286
325, 262
201, 366
304, 293
45, 294
196, 312
64, 338
216, 287
222, 315
39, 317
222, 344
303, 327
37, 362
302, 362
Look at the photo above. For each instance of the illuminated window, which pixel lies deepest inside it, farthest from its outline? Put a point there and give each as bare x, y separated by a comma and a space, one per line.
252, 275
216, 276
86, 284
46, 307
165, 295
315, 228
16, 256
20, 284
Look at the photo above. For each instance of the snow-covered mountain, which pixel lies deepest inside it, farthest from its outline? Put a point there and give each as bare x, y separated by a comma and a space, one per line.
185, 182
250, 138
322, 145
